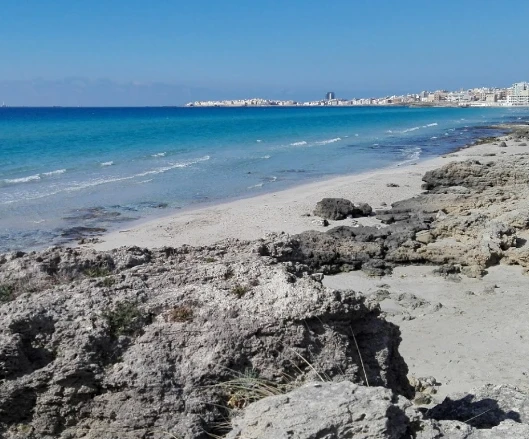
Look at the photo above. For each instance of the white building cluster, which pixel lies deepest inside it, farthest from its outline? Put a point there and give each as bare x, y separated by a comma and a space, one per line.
517, 95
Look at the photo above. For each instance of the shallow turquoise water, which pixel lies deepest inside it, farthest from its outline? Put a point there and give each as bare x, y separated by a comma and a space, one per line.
62, 168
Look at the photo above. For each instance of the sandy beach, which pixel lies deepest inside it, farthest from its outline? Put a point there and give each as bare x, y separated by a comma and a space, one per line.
465, 343
285, 211
413, 317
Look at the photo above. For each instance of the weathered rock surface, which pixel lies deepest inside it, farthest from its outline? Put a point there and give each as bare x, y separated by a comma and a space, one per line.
340, 208
346, 410
473, 216
131, 342
327, 410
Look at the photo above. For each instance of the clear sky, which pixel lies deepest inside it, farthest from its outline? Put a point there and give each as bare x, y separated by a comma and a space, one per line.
166, 52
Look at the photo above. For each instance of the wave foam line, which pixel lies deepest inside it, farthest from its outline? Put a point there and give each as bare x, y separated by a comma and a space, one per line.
22, 179
298, 143
159, 154
326, 142
107, 163
99, 182
57, 172
173, 166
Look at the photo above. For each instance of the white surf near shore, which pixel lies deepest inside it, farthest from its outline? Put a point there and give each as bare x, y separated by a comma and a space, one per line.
282, 211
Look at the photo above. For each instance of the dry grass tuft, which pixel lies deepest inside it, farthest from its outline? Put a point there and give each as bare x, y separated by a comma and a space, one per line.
240, 290
180, 314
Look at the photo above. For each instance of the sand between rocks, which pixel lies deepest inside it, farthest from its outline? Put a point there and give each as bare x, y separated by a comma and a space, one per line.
464, 332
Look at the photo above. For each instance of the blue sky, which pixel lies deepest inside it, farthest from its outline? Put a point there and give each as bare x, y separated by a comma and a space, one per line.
163, 52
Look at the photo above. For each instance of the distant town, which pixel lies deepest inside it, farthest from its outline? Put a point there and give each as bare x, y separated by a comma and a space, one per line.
517, 95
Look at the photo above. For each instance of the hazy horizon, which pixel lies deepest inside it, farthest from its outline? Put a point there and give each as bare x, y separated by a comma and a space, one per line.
134, 54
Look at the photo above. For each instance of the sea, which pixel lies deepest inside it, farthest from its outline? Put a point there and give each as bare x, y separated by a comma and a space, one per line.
69, 173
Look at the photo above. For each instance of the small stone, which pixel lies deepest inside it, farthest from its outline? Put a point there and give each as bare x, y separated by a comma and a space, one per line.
422, 399
424, 237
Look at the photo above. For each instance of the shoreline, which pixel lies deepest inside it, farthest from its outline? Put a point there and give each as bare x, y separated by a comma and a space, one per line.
286, 210
428, 307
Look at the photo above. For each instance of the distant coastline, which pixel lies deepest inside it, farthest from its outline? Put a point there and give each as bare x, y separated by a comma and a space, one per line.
515, 96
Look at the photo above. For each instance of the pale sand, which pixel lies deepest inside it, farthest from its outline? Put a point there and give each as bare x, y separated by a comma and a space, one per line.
283, 211
476, 337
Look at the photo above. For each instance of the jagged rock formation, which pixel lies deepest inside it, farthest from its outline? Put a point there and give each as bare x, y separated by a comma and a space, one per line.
132, 342
472, 216
345, 410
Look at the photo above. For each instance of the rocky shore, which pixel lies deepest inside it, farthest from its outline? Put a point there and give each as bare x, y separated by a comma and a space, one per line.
401, 321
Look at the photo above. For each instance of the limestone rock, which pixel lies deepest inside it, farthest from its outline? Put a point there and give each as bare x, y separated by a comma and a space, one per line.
334, 208
129, 342
340, 208
326, 410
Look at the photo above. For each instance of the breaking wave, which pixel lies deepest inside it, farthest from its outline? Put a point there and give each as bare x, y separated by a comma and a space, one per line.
298, 143
107, 163
22, 179
57, 172
100, 181
411, 153
325, 142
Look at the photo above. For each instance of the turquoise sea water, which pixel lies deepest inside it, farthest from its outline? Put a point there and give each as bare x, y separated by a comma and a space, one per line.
65, 171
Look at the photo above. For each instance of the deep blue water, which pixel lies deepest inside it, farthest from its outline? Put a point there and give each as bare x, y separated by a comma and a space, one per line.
94, 167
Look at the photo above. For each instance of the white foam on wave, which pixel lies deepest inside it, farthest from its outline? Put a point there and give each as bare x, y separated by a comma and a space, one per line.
326, 142
411, 153
57, 172
258, 140
159, 154
171, 166
107, 163
434, 137
432, 124
408, 130
101, 181
298, 143
22, 179
266, 157
256, 186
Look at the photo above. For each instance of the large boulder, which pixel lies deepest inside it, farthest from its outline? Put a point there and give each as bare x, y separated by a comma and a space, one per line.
326, 410
340, 208
131, 342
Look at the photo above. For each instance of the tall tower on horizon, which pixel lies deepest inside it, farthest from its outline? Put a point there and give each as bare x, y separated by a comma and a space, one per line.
329, 96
